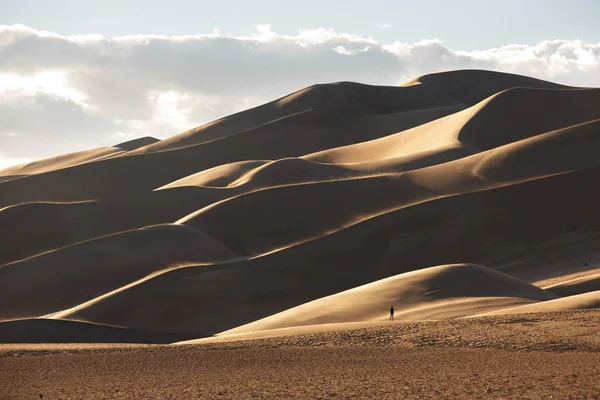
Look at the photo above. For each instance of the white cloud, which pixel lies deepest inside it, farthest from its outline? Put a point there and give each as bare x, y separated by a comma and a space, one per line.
385, 26
9, 162
63, 93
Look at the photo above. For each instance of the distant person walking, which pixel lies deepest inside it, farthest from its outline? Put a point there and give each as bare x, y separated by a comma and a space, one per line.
391, 313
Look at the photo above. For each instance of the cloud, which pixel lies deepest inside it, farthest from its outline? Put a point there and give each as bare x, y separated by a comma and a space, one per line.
385, 26
64, 93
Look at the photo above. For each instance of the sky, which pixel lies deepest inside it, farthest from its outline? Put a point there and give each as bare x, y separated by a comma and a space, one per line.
81, 74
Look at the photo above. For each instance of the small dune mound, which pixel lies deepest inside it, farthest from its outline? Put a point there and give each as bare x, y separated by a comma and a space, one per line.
137, 143
290, 171
58, 331
578, 302
438, 292
471, 86
576, 286
221, 176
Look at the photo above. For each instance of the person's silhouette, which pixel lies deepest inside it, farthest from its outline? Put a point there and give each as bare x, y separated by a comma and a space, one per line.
391, 313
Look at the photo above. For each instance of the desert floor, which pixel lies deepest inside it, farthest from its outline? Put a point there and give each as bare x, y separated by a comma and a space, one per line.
550, 355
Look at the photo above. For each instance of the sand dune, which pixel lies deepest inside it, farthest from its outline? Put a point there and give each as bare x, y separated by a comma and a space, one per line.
346, 255
258, 174
588, 283
320, 208
576, 302
137, 143
337, 99
221, 176
247, 176
76, 158
70, 276
292, 137
296, 134
56, 331
288, 213
33, 228
436, 292
58, 162
521, 113
377, 248
470, 86
503, 118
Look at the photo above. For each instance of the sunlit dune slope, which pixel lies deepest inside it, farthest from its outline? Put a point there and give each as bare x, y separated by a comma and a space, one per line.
576, 286
76, 158
58, 162
575, 302
447, 291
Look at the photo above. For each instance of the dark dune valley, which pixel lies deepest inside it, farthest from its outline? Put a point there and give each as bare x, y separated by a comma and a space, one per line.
466, 199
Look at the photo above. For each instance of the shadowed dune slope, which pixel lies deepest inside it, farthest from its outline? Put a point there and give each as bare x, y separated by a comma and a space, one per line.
470, 86
427, 293
137, 143
72, 275
33, 228
57, 331
9, 178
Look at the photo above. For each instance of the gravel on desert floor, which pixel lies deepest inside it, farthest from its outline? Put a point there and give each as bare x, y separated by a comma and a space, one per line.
553, 355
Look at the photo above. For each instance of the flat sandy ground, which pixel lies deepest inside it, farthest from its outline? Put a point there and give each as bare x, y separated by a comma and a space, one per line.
552, 355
